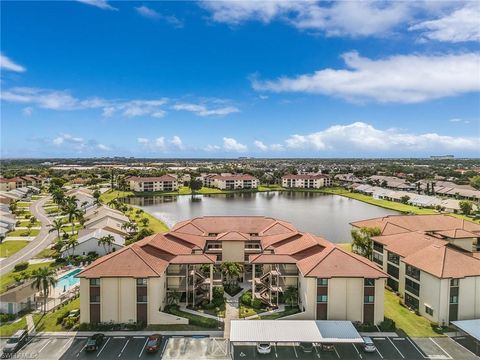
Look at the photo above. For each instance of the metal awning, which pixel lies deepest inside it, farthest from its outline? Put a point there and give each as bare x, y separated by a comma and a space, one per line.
471, 327
315, 331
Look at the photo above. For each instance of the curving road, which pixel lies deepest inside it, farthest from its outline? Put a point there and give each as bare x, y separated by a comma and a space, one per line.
41, 241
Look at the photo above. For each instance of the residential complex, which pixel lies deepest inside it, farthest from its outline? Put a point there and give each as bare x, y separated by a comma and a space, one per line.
148, 184
306, 181
20, 182
133, 283
433, 261
230, 181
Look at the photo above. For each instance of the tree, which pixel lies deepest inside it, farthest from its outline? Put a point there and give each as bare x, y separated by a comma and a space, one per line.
466, 207
57, 226
475, 181
58, 196
144, 221
13, 207
232, 271
173, 297
130, 226
194, 185
72, 212
362, 242
33, 220
44, 278
291, 295
404, 199
72, 244
106, 241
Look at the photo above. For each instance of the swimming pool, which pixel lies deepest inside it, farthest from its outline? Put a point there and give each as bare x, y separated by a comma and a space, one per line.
69, 280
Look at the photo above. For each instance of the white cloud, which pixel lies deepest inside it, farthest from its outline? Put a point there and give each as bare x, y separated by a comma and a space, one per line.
153, 14
102, 4
264, 147
458, 120
161, 143
78, 144
203, 110
230, 144
212, 148
142, 140
177, 142
260, 145
9, 65
103, 147
460, 25
399, 78
27, 111
362, 136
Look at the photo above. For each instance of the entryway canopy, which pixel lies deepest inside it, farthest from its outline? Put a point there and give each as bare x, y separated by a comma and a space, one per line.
314, 331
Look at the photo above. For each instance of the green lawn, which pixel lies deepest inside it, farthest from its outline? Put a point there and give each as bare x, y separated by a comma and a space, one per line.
48, 322
108, 196
46, 253
25, 223
8, 278
286, 312
12, 327
8, 248
23, 204
246, 311
195, 320
406, 320
24, 232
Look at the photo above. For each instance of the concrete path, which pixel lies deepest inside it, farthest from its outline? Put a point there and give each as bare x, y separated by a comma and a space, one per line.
30, 324
281, 307
231, 308
40, 242
184, 308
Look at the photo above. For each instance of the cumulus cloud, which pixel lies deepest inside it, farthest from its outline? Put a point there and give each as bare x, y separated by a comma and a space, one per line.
230, 144
9, 65
101, 4
212, 148
365, 137
177, 142
161, 143
263, 147
78, 144
203, 110
457, 26
150, 13
399, 78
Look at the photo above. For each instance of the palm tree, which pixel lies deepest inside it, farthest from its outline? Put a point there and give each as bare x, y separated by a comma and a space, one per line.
72, 212
130, 226
106, 241
13, 207
232, 271
173, 297
57, 226
58, 196
43, 279
72, 244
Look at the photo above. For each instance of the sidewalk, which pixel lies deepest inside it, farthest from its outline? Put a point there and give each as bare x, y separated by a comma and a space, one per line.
67, 334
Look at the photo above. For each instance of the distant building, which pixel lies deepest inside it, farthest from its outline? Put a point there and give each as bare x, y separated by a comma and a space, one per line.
433, 261
88, 242
306, 181
147, 184
442, 157
20, 182
231, 182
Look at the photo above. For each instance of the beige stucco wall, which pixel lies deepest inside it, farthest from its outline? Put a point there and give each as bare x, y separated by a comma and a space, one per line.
127, 302
466, 244
379, 300
345, 299
157, 300
469, 298
84, 300
432, 292
233, 251
109, 299
307, 291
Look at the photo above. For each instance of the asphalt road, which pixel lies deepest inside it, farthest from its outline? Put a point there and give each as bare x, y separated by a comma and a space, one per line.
41, 241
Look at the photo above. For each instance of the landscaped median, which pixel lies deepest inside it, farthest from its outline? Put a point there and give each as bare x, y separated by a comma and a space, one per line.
10, 247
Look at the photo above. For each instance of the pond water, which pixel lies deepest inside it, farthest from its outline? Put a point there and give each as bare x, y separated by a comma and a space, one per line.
325, 215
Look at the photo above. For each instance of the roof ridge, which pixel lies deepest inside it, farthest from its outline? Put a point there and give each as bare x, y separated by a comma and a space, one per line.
358, 257
146, 263
327, 252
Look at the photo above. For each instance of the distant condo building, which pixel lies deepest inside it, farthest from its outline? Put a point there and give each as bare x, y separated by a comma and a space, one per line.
230, 181
136, 282
147, 184
7, 184
306, 181
433, 262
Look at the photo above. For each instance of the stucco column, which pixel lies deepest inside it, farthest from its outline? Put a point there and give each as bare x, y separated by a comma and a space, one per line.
253, 282
211, 282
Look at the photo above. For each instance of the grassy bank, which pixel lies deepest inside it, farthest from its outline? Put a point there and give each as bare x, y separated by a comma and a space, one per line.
8, 248
48, 322
11, 328
8, 278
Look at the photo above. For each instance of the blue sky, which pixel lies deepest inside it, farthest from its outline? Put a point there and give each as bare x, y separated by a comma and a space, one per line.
228, 79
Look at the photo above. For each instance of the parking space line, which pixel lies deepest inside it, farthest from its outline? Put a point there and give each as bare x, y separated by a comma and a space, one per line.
336, 352
446, 353
139, 337
316, 350
358, 352
124, 346
391, 342
69, 342
416, 348
141, 351
84, 346
44, 346
275, 347
295, 350
103, 347
378, 351
119, 337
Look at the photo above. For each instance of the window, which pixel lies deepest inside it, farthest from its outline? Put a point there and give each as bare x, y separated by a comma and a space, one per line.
378, 258
454, 299
378, 247
94, 298
94, 282
322, 282
392, 271
369, 299
411, 302
322, 299
412, 286
141, 298
428, 310
142, 282
393, 258
369, 282
412, 272
454, 282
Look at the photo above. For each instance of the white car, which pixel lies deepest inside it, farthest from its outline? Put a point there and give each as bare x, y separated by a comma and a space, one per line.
264, 348
368, 345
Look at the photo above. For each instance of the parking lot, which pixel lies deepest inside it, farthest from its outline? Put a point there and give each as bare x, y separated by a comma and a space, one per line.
133, 347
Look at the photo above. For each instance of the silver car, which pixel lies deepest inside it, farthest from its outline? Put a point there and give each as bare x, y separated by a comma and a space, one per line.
264, 348
368, 345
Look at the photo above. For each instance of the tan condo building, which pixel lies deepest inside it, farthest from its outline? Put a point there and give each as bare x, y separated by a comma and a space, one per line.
433, 262
147, 184
133, 283
232, 182
306, 181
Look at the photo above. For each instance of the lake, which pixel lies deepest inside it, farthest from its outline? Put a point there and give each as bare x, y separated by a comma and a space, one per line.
322, 214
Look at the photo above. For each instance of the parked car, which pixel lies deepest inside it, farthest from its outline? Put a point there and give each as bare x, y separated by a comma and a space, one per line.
15, 342
306, 347
94, 342
264, 348
153, 344
368, 345
328, 347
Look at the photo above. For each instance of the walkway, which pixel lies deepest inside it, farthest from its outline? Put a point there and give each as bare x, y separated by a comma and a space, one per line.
40, 242
231, 308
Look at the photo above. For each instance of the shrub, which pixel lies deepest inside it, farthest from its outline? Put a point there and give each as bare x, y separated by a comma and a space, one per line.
246, 298
20, 266
62, 316
387, 325
218, 292
68, 322
257, 304
6, 317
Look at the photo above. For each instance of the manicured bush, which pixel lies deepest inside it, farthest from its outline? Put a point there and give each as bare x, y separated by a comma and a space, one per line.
387, 325
20, 266
246, 298
6, 317
62, 316
257, 304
